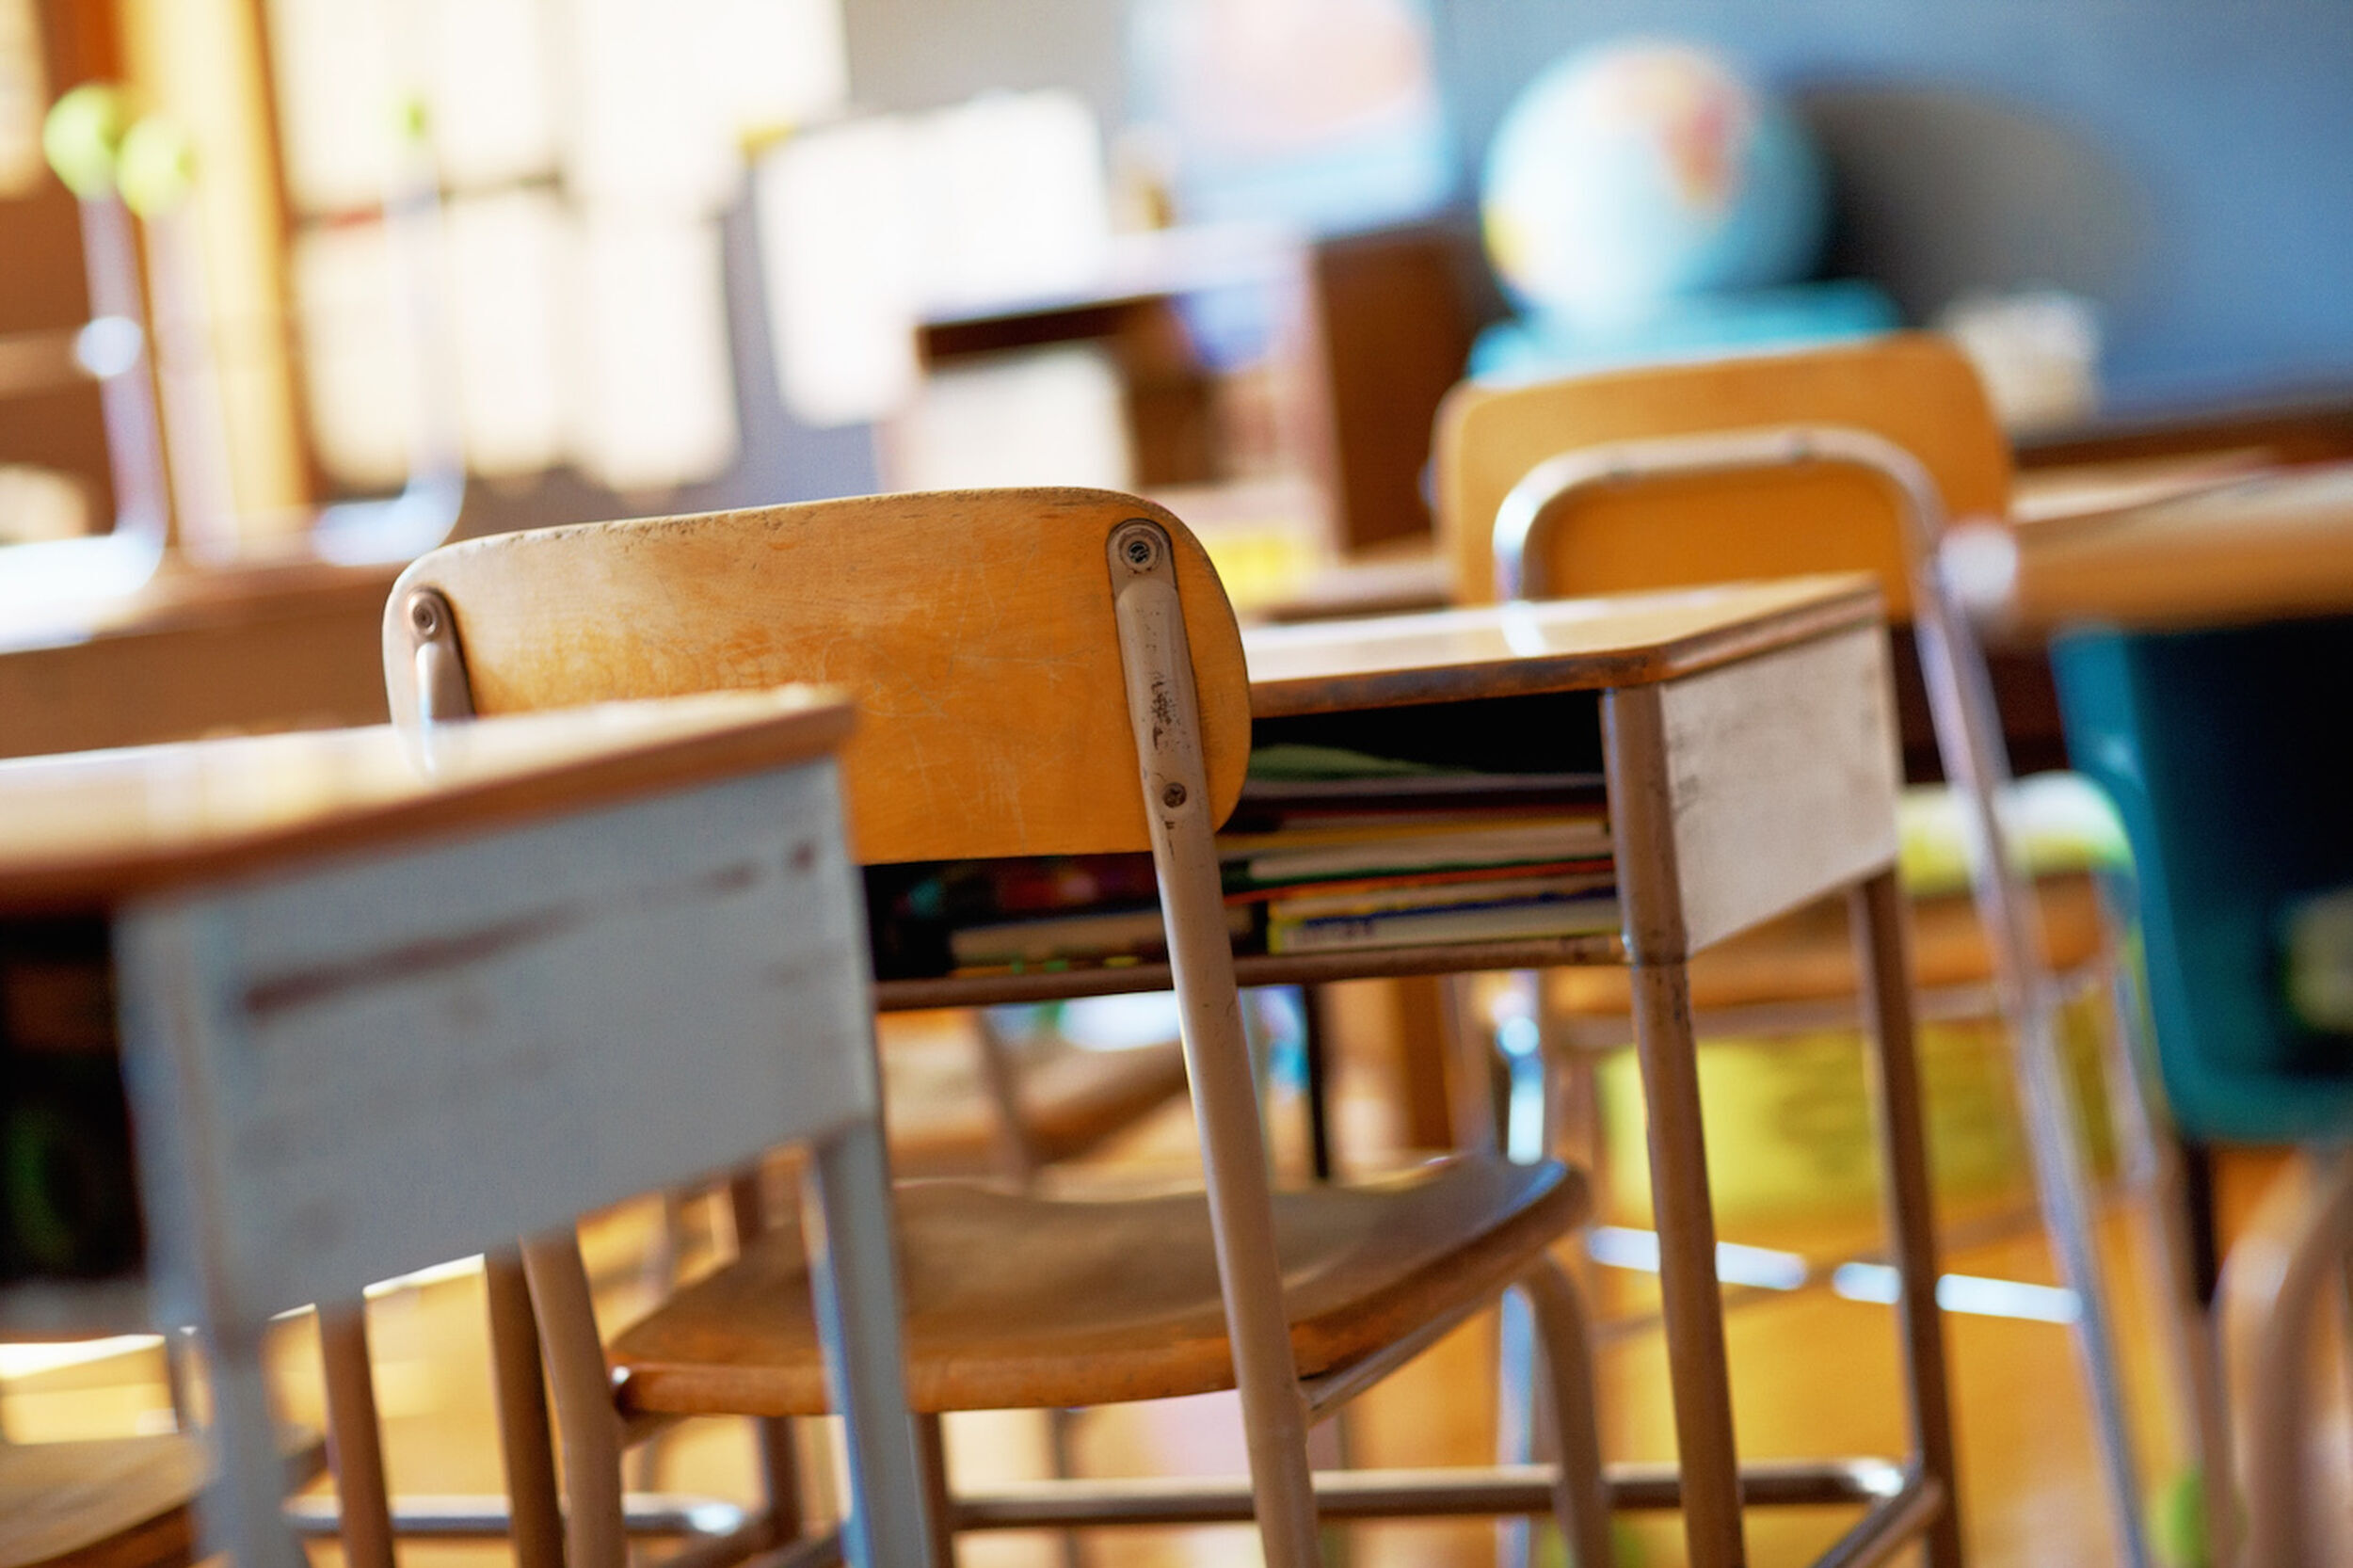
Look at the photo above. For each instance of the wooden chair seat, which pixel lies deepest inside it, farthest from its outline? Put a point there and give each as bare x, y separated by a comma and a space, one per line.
1806, 955
115, 1503
942, 1121
1019, 1302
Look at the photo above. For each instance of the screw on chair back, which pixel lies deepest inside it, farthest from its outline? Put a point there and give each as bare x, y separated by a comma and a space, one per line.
1729, 513
974, 630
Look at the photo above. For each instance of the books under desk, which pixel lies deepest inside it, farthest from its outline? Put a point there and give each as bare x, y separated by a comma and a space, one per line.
1330, 849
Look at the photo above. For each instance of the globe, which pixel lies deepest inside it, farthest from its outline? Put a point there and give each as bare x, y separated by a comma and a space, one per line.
1632, 175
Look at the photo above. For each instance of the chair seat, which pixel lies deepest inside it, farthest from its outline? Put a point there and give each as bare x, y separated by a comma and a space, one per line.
943, 1123
1806, 955
116, 1503
1017, 1302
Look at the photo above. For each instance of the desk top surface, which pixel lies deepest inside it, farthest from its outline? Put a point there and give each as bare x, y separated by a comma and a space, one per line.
2277, 546
1567, 645
89, 827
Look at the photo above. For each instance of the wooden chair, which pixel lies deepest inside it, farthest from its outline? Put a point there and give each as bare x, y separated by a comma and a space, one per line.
1022, 661
1842, 458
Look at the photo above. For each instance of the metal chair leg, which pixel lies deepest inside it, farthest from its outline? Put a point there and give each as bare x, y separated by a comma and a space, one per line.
2300, 1270
355, 1441
1960, 699
1581, 1496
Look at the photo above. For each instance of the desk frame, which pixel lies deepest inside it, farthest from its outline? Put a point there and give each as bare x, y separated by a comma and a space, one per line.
491, 987
1738, 789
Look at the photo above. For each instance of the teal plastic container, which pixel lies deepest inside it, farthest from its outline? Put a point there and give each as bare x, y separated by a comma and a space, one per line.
2225, 754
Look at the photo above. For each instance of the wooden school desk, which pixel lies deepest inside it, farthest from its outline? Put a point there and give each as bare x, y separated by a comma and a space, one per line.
1747, 738
381, 1006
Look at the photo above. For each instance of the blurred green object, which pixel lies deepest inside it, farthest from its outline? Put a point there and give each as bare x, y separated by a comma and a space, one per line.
2319, 948
1790, 1118
2177, 1522
156, 165
2216, 746
83, 135
2056, 822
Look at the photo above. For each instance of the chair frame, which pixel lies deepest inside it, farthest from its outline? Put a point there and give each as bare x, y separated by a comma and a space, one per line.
1969, 737
1278, 1405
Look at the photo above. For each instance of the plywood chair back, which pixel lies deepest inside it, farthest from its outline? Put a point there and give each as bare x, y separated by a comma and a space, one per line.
974, 628
1044, 671
1756, 518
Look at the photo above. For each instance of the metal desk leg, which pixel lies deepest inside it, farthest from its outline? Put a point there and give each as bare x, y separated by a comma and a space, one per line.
1692, 1298
242, 1513
857, 1317
1877, 914
1651, 890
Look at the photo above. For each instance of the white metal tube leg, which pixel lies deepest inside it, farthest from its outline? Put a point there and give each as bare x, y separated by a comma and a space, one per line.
1581, 1496
2275, 1400
856, 1283
1960, 699
243, 1513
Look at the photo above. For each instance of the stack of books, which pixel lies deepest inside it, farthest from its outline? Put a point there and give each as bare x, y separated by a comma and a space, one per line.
1328, 851
1384, 856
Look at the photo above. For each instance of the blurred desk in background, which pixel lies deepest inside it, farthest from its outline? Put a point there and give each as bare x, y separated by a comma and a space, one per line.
2274, 546
264, 647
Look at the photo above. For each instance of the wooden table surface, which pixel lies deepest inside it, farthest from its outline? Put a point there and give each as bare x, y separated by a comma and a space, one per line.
2277, 546
87, 827
285, 645
1553, 646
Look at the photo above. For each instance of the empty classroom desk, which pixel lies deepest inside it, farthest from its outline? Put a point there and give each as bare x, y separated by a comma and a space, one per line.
384, 1004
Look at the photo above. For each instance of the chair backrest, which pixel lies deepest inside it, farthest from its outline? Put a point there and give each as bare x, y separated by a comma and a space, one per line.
973, 629
1913, 390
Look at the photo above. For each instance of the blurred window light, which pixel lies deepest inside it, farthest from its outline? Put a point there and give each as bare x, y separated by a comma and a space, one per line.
1038, 416
774, 65
658, 403
572, 288
646, 129
509, 257
23, 98
31, 1360
1012, 191
360, 367
490, 81
838, 246
868, 226
1970, 1293
340, 68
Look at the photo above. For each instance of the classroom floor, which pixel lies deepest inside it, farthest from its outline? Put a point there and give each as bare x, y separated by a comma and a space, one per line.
1814, 1375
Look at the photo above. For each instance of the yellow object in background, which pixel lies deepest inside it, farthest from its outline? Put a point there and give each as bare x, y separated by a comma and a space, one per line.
1790, 1128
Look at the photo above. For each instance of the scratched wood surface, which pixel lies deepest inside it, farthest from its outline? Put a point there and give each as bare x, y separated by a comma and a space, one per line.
505, 1031
92, 827
1016, 1301
1912, 388
1558, 645
972, 628
1780, 782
